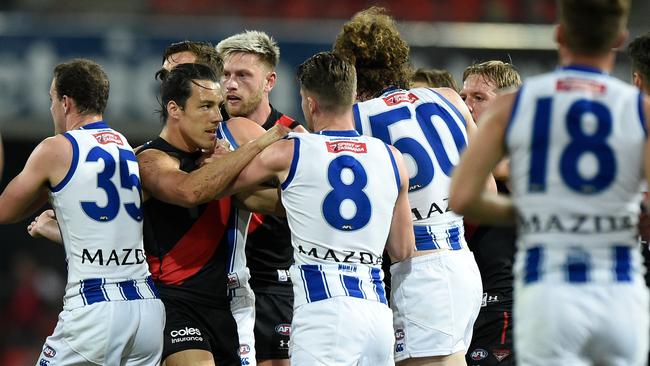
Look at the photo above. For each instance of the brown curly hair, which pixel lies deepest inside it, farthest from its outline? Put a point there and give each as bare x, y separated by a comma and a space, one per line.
372, 43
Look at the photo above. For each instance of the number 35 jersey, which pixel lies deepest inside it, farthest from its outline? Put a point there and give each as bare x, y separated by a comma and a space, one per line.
98, 208
339, 196
431, 133
576, 139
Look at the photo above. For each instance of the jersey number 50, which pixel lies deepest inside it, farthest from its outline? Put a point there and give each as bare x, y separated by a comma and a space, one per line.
127, 181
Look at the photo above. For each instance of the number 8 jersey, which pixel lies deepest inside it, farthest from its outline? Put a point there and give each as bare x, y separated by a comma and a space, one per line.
98, 208
339, 196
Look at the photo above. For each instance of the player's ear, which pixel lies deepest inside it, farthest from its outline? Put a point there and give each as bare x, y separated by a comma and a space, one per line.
173, 109
620, 39
271, 77
312, 104
66, 101
558, 34
637, 80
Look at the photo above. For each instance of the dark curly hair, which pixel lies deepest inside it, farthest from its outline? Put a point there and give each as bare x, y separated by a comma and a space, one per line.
372, 43
84, 81
639, 52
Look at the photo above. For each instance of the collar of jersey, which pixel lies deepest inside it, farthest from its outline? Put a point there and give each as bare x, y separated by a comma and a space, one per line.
583, 68
94, 126
345, 133
390, 89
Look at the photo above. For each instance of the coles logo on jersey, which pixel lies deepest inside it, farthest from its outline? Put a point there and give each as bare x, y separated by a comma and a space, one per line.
572, 84
244, 349
49, 351
351, 146
283, 329
479, 354
108, 138
398, 98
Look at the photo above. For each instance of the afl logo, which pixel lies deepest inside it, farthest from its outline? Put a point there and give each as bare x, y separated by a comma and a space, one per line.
283, 329
244, 349
49, 351
399, 334
478, 354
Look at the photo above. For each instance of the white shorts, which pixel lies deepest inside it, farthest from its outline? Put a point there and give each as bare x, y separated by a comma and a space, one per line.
581, 324
107, 333
435, 299
243, 310
342, 331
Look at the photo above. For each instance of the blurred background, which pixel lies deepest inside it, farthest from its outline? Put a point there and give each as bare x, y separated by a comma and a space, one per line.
128, 37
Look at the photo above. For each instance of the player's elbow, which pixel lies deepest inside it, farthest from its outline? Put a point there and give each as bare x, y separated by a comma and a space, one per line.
404, 252
460, 199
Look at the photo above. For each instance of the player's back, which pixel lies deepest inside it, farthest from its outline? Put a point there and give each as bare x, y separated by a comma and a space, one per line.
429, 130
576, 139
339, 195
98, 208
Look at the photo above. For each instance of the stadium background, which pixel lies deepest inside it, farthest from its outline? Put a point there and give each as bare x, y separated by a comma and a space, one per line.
127, 37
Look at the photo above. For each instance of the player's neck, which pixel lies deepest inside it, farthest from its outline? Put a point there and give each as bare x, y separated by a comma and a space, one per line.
76, 121
603, 62
334, 122
262, 112
174, 137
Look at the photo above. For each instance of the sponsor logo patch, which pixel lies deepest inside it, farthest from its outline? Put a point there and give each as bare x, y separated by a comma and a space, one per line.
479, 354
43, 362
500, 354
233, 280
49, 351
283, 329
284, 344
399, 347
350, 146
244, 349
398, 98
108, 138
399, 334
571, 84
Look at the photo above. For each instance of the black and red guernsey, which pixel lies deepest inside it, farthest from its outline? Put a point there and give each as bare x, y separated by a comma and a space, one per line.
186, 247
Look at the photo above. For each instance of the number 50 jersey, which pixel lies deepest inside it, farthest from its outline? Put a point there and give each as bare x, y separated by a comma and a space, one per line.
430, 132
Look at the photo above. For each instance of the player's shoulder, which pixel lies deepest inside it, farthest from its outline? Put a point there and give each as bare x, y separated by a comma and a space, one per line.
242, 129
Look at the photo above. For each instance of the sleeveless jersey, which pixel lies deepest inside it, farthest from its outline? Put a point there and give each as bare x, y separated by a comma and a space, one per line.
186, 247
576, 139
98, 208
339, 196
431, 133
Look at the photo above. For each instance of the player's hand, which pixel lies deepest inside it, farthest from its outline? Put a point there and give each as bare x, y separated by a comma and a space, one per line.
274, 134
221, 148
36, 227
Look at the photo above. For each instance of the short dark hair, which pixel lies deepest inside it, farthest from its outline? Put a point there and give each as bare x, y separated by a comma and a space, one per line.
177, 85
84, 81
592, 26
639, 52
435, 78
331, 78
205, 53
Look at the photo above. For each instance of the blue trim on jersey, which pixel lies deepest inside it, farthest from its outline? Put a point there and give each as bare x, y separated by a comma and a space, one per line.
454, 238
229, 136
95, 126
453, 107
424, 239
129, 290
622, 263
583, 68
642, 115
375, 275
152, 287
515, 107
357, 118
352, 286
294, 163
232, 237
577, 268
394, 164
73, 163
92, 291
533, 263
389, 90
340, 133
314, 282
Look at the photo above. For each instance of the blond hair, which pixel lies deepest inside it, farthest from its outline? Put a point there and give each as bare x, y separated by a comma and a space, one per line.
256, 42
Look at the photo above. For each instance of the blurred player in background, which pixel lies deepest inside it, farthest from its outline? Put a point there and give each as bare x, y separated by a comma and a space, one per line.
433, 78
436, 294
342, 212
90, 174
577, 140
250, 59
493, 246
639, 53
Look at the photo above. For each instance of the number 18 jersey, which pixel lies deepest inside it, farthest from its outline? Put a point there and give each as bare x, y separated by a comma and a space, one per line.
339, 196
430, 132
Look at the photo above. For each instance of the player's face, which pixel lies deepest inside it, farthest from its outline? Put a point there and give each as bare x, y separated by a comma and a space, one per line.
478, 93
201, 115
56, 109
185, 57
245, 80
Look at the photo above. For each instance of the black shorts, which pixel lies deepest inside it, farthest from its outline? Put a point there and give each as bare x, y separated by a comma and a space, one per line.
273, 315
194, 326
491, 340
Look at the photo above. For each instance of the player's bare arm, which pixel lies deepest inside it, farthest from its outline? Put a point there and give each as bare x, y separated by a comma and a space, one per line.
646, 105
401, 239
273, 162
467, 193
48, 163
162, 178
